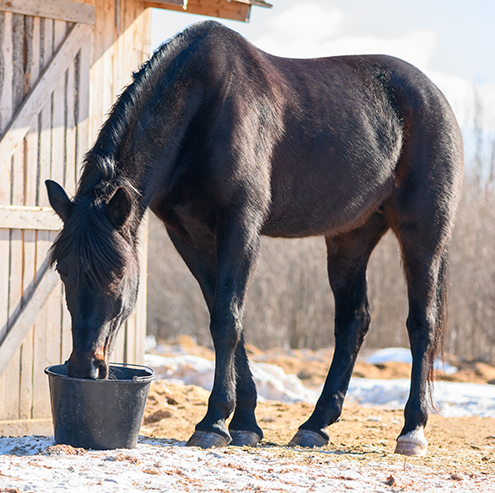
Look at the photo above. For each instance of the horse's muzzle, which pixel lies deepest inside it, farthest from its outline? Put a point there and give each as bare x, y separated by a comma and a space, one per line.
88, 365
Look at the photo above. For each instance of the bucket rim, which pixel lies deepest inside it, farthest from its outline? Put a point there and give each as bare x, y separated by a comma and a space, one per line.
136, 379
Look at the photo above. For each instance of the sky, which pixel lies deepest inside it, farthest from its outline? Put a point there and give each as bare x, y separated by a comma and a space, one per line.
452, 41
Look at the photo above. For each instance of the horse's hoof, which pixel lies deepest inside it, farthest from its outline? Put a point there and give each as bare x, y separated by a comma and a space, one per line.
412, 443
307, 438
204, 439
242, 438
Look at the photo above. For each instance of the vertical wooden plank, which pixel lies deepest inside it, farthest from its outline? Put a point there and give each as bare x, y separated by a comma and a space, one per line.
16, 277
146, 36
7, 65
83, 104
43, 338
70, 170
70, 130
128, 36
6, 111
57, 173
50, 145
31, 71
58, 158
44, 120
137, 42
40, 401
17, 166
109, 90
96, 100
118, 47
118, 353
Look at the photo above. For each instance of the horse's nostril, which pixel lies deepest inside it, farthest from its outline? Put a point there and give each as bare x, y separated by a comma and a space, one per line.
101, 369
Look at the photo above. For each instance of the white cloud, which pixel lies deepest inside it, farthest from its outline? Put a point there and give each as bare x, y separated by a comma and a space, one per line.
314, 30
301, 30
463, 96
307, 20
416, 47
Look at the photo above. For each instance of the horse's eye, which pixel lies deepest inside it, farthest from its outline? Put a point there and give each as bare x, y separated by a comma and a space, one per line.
61, 272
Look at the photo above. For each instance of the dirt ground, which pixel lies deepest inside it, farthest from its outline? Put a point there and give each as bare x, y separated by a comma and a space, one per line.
461, 445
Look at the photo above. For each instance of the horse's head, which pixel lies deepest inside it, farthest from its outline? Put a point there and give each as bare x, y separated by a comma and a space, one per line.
95, 255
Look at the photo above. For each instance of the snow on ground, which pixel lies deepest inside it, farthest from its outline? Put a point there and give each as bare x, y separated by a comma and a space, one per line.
403, 355
36, 464
451, 399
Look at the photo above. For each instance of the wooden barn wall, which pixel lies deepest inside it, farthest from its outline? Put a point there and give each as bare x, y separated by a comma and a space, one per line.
53, 148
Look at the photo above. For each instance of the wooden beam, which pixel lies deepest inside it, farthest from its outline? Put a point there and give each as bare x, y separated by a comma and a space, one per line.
64, 10
180, 3
223, 9
47, 280
38, 96
257, 3
23, 427
20, 217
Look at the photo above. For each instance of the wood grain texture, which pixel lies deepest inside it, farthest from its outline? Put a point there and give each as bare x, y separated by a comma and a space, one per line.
64, 10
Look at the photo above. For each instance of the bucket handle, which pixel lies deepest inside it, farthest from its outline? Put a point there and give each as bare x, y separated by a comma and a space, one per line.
137, 378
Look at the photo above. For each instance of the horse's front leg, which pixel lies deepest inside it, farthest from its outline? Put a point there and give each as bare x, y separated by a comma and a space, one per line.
233, 388
243, 427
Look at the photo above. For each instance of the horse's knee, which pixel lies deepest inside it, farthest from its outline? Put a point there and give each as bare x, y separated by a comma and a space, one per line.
225, 329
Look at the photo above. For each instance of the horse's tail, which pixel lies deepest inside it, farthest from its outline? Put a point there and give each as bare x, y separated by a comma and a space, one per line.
437, 349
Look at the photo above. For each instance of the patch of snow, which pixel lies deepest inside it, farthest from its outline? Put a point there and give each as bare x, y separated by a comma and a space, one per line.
403, 355
450, 398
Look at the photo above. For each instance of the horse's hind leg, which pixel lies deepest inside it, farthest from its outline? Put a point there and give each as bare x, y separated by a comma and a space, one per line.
424, 263
348, 256
243, 427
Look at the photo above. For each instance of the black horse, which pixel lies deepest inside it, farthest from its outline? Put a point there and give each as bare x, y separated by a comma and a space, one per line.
226, 143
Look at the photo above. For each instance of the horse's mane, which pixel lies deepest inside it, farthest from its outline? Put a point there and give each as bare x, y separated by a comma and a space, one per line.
153, 76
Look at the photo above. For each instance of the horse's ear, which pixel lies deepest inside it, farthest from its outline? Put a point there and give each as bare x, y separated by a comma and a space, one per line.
59, 201
119, 207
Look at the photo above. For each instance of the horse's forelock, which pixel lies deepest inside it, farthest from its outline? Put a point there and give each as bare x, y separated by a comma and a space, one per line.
98, 253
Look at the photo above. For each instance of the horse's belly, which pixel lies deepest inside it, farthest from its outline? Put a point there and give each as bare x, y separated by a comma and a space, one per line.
328, 214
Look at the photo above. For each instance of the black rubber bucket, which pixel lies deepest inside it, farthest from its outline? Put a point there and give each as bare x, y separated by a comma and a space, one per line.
99, 414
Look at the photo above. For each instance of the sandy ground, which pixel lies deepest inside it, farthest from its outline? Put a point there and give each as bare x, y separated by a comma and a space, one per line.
365, 435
